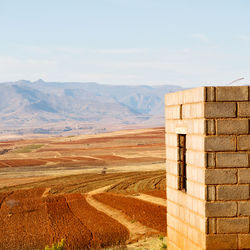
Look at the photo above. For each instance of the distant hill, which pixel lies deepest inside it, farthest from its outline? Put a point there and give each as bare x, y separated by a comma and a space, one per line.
73, 108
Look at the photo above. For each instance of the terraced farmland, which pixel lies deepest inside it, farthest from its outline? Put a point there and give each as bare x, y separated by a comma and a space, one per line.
59, 190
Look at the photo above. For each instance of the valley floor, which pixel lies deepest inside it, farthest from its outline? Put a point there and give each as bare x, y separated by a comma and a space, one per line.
93, 191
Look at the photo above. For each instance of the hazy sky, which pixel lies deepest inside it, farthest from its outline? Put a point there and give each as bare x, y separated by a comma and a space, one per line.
183, 42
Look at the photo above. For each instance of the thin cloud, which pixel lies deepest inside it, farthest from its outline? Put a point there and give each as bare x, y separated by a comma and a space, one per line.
245, 38
201, 37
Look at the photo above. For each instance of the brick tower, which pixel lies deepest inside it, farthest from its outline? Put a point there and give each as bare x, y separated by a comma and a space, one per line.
208, 168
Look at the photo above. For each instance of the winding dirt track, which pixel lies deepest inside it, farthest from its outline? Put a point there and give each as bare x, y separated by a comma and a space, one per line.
151, 199
136, 229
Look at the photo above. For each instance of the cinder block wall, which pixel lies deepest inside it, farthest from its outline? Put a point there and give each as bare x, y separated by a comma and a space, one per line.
214, 212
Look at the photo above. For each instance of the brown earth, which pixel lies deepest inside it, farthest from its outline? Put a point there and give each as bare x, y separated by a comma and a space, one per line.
149, 214
30, 221
48, 185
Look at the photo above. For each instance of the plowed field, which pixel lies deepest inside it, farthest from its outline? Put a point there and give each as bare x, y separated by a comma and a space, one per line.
157, 193
47, 187
111, 149
30, 221
151, 215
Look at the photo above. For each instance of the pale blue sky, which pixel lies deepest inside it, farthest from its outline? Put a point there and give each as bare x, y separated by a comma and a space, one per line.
183, 42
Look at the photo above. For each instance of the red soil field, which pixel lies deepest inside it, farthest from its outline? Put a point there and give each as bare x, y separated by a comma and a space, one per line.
149, 214
64, 224
105, 230
22, 162
6, 144
157, 193
24, 221
104, 159
31, 220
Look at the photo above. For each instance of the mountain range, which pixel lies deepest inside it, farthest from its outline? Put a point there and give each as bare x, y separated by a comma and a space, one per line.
77, 108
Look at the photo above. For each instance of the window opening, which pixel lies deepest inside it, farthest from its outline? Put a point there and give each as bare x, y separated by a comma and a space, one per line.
182, 180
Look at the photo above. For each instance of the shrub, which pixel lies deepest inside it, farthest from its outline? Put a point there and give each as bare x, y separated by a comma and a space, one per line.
56, 246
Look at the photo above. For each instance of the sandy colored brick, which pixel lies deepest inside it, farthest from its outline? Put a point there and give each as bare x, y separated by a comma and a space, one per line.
220, 176
171, 140
173, 112
243, 142
233, 192
230, 127
196, 158
244, 176
232, 93
231, 160
244, 241
244, 208
212, 226
210, 94
195, 142
226, 242
219, 110
193, 110
172, 167
196, 126
244, 109
211, 193
221, 209
171, 153
210, 127
186, 96
233, 225
218, 173
210, 160
220, 143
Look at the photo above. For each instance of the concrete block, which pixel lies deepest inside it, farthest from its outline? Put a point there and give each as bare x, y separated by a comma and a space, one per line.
193, 110
210, 94
244, 241
232, 93
212, 226
194, 95
233, 225
211, 193
195, 142
233, 192
172, 181
175, 98
244, 208
244, 176
220, 143
196, 126
173, 112
220, 176
243, 142
187, 96
220, 209
220, 110
171, 153
196, 158
232, 127
210, 127
244, 109
171, 140
210, 160
172, 167
221, 241
231, 160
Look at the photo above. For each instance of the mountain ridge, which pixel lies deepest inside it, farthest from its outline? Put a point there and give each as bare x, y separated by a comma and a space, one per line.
26, 107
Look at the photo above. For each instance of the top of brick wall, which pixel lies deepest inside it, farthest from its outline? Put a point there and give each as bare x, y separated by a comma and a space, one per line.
209, 94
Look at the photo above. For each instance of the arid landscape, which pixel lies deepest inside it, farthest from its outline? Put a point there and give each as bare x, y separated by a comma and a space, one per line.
93, 191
